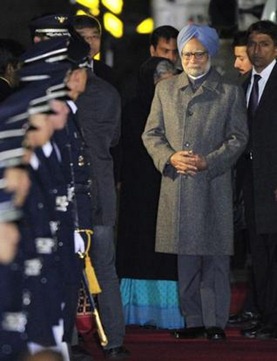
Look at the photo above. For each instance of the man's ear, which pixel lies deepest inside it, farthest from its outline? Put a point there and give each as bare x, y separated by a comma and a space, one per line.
152, 50
9, 70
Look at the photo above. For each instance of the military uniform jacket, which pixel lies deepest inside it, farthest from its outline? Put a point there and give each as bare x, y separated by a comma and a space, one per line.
195, 215
75, 169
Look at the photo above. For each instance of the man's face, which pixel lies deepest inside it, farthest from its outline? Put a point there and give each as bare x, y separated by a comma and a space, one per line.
76, 81
9, 239
195, 58
261, 50
93, 38
42, 131
242, 62
166, 49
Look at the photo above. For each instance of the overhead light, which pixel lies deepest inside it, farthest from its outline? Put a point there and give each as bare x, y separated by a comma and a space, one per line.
146, 26
114, 6
94, 12
89, 3
113, 25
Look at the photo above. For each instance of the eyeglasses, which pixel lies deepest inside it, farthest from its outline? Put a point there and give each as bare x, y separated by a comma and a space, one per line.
198, 55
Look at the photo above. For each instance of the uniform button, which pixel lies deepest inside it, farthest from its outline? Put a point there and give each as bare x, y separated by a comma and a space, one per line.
81, 161
40, 205
26, 298
43, 280
187, 144
55, 191
60, 244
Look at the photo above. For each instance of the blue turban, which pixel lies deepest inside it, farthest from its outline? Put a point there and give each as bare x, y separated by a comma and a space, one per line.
207, 36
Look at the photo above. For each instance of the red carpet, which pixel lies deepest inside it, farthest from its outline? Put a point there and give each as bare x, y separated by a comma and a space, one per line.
159, 345
156, 345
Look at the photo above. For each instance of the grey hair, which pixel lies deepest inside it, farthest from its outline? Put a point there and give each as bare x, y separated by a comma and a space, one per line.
164, 67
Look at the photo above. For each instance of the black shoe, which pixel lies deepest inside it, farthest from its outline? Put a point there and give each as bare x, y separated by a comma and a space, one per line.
116, 353
250, 332
189, 333
215, 333
243, 317
78, 353
266, 333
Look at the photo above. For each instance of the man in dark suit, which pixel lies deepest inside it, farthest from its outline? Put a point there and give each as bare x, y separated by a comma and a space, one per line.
99, 117
10, 50
90, 29
259, 170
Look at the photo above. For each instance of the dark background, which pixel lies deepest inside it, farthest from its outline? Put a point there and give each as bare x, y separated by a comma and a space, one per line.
132, 49
128, 52
15, 16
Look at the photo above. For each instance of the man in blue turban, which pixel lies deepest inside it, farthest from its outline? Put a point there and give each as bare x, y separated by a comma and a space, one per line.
195, 132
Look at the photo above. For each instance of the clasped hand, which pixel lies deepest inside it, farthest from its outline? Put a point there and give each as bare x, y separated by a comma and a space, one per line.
187, 162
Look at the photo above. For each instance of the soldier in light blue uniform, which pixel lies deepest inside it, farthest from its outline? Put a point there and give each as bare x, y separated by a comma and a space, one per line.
40, 258
12, 314
66, 159
24, 296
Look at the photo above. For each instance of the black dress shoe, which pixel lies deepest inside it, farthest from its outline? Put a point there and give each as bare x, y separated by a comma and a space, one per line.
215, 333
266, 332
78, 353
116, 353
189, 333
250, 332
243, 317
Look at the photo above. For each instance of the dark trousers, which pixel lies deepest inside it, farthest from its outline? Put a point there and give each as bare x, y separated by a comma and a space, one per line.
204, 288
263, 249
109, 300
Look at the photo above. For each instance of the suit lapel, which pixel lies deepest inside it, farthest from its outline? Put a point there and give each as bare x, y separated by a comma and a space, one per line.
271, 86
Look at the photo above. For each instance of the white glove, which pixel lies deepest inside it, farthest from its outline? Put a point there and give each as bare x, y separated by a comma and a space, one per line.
79, 244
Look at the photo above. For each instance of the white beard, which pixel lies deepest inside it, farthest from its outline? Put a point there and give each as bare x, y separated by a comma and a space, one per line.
197, 73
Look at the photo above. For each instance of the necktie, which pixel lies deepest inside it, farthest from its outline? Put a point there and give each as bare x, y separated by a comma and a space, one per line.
252, 106
254, 96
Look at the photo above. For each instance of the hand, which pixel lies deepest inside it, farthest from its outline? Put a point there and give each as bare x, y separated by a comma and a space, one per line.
200, 162
79, 244
184, 162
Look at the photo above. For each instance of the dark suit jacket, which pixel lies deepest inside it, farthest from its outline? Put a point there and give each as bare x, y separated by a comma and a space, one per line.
99, 112
264, 138
104, 71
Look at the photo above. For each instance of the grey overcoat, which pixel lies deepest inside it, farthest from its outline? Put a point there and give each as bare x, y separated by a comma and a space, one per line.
195, 215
